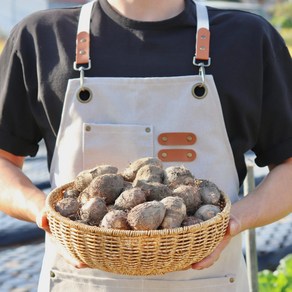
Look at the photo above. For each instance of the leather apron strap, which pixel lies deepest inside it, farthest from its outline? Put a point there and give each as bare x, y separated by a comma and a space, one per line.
82, 60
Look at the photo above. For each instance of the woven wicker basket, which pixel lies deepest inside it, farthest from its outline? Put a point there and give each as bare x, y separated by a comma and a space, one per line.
131, 252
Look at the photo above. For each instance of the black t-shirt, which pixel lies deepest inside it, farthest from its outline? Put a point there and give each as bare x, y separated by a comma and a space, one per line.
249, 61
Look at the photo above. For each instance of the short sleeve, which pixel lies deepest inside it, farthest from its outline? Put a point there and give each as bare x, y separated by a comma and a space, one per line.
275, 135
19, 132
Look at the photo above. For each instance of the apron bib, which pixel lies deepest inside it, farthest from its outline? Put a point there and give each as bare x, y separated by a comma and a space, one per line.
118, 120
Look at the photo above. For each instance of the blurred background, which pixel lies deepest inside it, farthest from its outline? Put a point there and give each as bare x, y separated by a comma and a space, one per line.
22, 243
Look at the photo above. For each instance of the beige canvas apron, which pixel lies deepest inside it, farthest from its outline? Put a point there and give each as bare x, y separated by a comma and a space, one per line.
117, 120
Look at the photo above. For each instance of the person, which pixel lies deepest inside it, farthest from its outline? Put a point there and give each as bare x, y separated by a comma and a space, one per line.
101, 83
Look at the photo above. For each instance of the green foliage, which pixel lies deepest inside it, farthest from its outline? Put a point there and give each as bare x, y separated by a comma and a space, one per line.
278, 281
282, 15
287, 35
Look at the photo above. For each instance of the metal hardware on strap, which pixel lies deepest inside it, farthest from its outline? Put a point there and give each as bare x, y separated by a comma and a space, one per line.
202, 54
202, 44
82, 60
83, 34
81, 69
82, 48
202, 73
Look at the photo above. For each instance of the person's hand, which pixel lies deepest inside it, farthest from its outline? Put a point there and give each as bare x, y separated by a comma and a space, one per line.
43, 223
233, 229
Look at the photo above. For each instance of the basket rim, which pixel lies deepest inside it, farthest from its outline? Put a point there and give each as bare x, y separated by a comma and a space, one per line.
131, 233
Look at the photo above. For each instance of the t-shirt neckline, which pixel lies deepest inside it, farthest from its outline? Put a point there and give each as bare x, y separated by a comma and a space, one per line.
147, 25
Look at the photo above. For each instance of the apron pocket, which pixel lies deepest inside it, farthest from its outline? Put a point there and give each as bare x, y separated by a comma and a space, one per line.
115, 144
76, 283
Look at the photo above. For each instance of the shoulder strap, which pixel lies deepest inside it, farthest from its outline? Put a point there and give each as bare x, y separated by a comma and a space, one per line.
83, 36
202, 36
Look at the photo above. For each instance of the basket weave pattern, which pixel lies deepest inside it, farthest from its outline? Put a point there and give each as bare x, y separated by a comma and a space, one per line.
130, 252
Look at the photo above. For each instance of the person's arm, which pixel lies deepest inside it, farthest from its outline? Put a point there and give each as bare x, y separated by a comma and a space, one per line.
19, 197
269, 202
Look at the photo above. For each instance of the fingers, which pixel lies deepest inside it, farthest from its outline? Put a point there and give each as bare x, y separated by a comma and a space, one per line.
213, 257
42, 221
81, 266
234, 227
69, 259
74, 262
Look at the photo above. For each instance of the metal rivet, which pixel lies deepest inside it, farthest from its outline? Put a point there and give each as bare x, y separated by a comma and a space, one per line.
164, 138
189, 155
199, 90
82, 52
83, 40
202, 48
88, 128
147, 130
84, 95
164, 154
231, 280
189, 138
52, 274
203, 37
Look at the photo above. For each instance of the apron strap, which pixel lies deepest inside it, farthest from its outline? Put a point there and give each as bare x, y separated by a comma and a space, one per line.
83, 38
201, 57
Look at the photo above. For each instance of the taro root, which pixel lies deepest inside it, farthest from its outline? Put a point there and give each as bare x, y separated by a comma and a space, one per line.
150, 173
106, 186
71, 193
143, 197
68, 207
104, 169
84, 178
206, 212
130, 198
115, 219
111, 208
84, 197
154, 191
81, 221
209, 192
190, 195
191, 220
175, 212
127, 185
93, 211
130, 172
177, 175
147, 216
